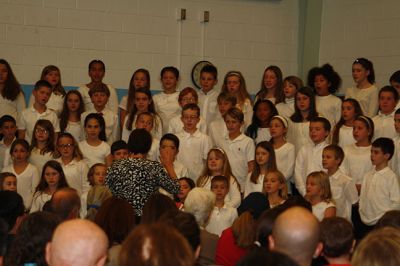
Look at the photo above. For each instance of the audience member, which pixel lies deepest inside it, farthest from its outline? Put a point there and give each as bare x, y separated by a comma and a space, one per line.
155, 207
65, 203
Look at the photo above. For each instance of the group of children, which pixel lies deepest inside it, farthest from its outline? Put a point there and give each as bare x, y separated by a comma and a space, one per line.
294, 139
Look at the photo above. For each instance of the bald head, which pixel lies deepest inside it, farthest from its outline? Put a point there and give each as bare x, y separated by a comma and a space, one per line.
66, 203
296, 233
77, 242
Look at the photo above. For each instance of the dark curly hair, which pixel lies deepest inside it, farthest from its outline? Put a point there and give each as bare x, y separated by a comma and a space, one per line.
328, 73
30, 242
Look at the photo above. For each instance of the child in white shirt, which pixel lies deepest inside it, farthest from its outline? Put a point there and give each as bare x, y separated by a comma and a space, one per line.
207, 94
275, 188
271, 86
194, 144
186, 96
258, 130
146, 120
380, 191
343, 132
217, 129
70, 117
344, 191
319, 195
223, 215
357, 160
239, 148
166, 102
97, 70
26, 173
290, 86
169, 147
8, 181
383, 122
8, 128
99, 95
309, 158
29, 116
395, 161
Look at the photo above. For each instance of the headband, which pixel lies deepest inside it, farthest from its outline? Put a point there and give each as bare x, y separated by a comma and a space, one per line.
220, 149
365, 119
283, 120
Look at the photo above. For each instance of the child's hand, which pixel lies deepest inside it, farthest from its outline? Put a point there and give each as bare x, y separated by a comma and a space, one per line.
167, 157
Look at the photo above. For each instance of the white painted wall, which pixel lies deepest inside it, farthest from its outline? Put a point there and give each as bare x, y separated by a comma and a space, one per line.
243, 35
361, 28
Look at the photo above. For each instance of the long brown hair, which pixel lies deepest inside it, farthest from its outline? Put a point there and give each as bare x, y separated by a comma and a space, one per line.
271, 164
132, 89
64, 116
12, 87
243, 229
279, 95
357, 112
58, 89
243, 93
77, 152
48, 126
62, 182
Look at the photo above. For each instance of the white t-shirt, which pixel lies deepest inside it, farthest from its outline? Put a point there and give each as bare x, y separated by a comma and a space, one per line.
55, 103
38, 201
112, 103
233, 198
357, 162
111, 120
346, 136
319, 209
368, 99
167, 107
250, 187
329, 107
247, 110
384, 126
176, 125
208, 105
26, 182
13, 108
217, 130
94, 154
298, 134
285, 159
380, 192
263, 134
39, 160
286, 109
76, 174
76, 130
395, 161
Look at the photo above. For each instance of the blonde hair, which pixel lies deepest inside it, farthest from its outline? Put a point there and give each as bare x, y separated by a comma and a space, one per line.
283, 192
226, 168
322, 180
379, 247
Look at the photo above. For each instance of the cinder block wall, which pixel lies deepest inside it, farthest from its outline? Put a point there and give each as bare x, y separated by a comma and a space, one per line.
243, 35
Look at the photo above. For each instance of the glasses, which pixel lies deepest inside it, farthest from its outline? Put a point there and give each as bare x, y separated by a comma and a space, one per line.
41, 130
63, 146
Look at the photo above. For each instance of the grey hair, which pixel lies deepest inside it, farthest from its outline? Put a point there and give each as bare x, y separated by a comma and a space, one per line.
200, 202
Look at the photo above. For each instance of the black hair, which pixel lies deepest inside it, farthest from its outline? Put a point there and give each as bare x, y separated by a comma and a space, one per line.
171, 137
262, 257
96, 61
172, 69
252, 129
11, 207
337, 236
99, 118
7, 118
325, 122
296, 116
210, 69
42, 83
367, 65
328, 73
337, 150
139, 141
385, 144
395, 77
191, 106
118, 145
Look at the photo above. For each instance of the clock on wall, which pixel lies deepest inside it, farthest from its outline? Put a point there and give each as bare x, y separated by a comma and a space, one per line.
196, 72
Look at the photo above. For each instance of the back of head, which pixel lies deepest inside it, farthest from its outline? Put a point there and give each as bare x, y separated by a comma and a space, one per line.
265, 223
65, 203
243, 229
30, 242
11, 207
256, 203
337, 237
155, 245
263, 257
155, 207
390, 218
379, 247
3, 237
77, 242
117, 218
200, 202
296, 233
139, 141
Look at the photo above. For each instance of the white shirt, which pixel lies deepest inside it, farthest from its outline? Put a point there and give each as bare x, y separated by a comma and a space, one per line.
286, 109
247, 110
76, 174
123, 103
76, 130
156, 132
26, 182
357, 162
368, 99
193, 149
240, 151
4, 153
167, 107
13, 108
285, 159
55, 102
233, 198
346, 136
250, 187
38, 201
154, 150
111, 120
94, 154
380, 193
384, 125
112, 103
309, 159
298, 134
319, 209
263, 134
395, 161
176, 125
344, 193
221, 219
208, 105
329, 107
30, 116
217, 132
39, 160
